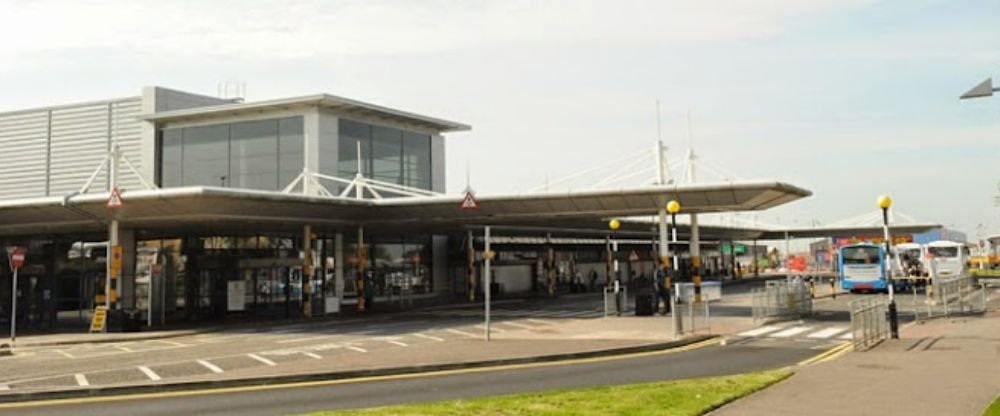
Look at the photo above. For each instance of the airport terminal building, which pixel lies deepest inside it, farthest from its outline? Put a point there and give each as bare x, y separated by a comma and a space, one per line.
231, 209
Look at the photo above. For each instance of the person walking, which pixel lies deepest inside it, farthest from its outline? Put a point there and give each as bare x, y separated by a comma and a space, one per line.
661, 292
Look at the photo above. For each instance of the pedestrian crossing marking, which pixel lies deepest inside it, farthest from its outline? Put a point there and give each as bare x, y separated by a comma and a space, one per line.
759, 331
791, 331
810, 331
827, 333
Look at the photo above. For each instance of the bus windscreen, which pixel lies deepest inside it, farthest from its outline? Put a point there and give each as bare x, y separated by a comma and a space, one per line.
860, 255
943, 251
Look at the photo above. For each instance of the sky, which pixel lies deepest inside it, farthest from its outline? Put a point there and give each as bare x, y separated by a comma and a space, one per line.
848, 98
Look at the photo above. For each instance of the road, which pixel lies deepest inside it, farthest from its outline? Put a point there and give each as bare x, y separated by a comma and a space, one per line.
714, 360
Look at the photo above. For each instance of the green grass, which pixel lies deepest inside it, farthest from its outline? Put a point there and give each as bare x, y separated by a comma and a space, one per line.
685, 397
994, 409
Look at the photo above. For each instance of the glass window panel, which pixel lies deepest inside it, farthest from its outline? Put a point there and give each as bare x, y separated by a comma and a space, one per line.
417, 160
254, 158
387, 154
171, 158
206, 156
352, 132
291, 150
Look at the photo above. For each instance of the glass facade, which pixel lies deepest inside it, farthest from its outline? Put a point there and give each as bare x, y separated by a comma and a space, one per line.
261, 154
388, 154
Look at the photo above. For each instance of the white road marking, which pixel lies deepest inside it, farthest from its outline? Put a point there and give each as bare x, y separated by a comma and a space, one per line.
517, 325
124, 348
353, 348
827, 333
759, 331
289, 341
795, 330
312, 355
174, 343
261, 359
432, 338
149, 373
81, 380
4, 387
64, 353
541, 322
210, 366
392, 341
460, 332
848, 335
492, 328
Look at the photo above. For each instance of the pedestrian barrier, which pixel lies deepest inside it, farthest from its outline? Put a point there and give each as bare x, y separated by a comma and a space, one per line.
684, 312
869, 322
615, 299
958, 295
781, 300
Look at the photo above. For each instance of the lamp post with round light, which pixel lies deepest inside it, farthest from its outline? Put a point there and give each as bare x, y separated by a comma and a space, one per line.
614, 225
884, 202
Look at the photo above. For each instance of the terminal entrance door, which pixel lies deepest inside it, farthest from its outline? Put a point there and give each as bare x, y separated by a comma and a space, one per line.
274, 286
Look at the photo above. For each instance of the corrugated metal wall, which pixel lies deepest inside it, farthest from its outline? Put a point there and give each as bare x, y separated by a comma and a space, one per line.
52, 152
23, 153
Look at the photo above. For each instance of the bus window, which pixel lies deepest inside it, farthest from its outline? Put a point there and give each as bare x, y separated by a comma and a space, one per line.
943, 251
860, 255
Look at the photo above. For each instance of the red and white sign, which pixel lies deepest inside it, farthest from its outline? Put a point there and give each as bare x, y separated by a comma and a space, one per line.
115, 199
17, 255
469, 200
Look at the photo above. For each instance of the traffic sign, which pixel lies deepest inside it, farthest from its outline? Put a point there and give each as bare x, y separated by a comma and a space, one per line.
633, 256
115, 199
99, 320
469, 200
17, 255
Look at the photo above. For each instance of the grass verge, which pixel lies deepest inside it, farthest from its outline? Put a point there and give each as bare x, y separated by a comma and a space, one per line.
672, 398
994, 409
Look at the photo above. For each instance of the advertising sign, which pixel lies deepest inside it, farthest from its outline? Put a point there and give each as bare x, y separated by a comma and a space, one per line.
236, 298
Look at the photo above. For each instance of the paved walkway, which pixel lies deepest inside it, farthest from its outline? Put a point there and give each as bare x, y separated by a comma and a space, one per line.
944, 367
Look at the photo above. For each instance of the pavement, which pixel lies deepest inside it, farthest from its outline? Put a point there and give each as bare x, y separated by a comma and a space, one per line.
940, 367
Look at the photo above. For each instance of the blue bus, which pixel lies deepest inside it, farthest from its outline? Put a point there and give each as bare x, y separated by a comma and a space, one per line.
863, 267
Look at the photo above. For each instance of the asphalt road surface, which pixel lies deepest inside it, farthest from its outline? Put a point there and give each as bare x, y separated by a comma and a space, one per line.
745, 356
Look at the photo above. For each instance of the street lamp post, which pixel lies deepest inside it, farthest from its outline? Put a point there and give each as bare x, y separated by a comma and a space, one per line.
884, 202
673, 207
614, 225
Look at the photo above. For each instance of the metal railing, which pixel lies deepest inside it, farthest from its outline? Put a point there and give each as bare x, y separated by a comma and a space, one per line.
869, 323
684, 313
781, 300
618, 301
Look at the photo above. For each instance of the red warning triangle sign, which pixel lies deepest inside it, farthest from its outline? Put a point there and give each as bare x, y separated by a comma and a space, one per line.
115, 199
469, 200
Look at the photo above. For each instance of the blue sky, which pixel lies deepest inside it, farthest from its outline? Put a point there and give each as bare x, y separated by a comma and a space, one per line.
848, 98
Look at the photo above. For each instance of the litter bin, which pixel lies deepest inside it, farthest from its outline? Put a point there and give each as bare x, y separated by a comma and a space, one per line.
129, 320
644, 304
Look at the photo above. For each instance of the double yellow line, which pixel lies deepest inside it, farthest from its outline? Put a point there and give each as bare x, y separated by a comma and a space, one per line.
830, 354
322, 383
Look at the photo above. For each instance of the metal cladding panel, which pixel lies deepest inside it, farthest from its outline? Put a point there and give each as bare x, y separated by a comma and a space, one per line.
24, 144
79, 144
81, 139
127, 132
